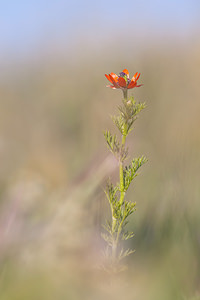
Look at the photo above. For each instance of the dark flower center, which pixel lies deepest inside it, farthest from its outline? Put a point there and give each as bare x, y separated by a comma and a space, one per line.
122, 74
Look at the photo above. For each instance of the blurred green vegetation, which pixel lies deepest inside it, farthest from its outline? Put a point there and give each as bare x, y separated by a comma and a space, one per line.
54, 164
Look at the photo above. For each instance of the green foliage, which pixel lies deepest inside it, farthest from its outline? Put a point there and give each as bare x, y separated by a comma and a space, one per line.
128, 115
129, 208
124, 253
120, 212
127, 235
114, 146
107, 238
112, 197
130, 172
111, 192
119, 122
112, 142
121, 208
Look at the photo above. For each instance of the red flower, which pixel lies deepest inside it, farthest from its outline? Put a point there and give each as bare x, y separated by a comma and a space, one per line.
123, 81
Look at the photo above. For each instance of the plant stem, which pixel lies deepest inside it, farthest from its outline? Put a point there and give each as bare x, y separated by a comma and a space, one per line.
121, 175
125, 93
122, 195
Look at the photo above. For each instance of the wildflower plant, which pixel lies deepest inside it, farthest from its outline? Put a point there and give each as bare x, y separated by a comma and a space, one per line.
121, 208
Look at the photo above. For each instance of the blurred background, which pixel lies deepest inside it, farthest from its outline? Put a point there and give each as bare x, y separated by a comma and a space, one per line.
54, 161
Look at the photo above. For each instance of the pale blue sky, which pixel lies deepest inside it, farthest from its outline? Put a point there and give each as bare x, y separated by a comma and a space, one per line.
24, 24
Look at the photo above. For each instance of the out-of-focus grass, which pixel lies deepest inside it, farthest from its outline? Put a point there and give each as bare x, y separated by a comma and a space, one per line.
54, 163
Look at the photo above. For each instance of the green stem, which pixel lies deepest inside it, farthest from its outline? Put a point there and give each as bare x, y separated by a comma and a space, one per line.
114, 245
119, 229
122, 195
121, 173
125, 93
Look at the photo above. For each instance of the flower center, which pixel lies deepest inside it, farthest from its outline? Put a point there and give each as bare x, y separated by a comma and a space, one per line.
124, 75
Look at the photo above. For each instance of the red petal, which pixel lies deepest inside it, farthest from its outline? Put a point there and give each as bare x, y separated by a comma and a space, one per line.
122, 82
134, 77
114, 76
107, 76
111, 86
138, 77
134, 80
126, 72
113, 79
132, 84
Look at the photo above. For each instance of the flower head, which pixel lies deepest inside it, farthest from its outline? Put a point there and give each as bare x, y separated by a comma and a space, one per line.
123, 81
